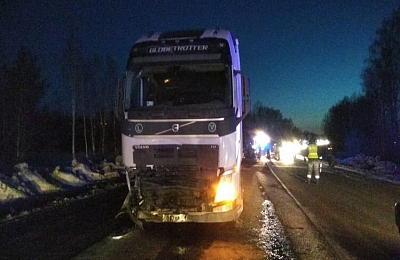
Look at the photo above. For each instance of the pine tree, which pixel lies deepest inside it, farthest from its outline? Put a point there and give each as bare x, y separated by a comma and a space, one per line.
23, 87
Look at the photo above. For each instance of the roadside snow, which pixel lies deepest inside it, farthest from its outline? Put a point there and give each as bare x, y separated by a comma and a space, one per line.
8, 193
372, 167
27, 183
67, 178
33, 180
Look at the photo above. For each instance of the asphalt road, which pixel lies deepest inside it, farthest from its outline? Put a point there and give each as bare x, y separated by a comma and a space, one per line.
259, 233
354, 213
246, 240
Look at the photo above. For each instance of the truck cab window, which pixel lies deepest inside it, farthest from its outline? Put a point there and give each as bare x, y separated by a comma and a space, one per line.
181, 85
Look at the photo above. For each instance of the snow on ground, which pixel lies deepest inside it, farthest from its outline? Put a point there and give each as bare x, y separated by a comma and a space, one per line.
367, 166
371, 167
27, 183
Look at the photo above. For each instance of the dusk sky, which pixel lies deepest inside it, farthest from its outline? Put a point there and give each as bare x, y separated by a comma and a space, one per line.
302, 56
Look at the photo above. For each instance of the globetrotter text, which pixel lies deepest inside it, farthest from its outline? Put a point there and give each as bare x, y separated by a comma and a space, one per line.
183, 48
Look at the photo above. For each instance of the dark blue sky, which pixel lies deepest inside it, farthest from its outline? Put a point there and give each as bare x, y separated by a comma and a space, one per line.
302, 56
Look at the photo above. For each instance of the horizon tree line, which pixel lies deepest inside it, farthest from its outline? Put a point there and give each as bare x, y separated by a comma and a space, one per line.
369, 123
30, 129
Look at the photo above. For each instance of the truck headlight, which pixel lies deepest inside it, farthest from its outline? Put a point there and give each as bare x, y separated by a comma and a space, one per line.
225, 190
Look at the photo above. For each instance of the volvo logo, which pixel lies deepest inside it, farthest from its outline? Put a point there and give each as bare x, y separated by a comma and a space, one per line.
175, 128
139, 128
212, 127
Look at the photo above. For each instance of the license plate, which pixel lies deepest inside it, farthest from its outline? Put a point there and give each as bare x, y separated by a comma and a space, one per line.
175, 218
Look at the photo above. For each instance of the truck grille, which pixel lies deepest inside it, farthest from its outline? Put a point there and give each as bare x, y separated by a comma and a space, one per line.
164, 153
187, 153
199, 156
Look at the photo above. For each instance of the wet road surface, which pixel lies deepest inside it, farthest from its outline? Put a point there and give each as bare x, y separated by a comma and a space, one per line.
354, 213
257, 235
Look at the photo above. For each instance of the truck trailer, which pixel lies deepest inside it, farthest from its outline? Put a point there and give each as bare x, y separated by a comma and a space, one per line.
181, 106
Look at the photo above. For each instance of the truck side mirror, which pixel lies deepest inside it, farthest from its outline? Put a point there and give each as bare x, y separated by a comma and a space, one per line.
246, 100
119, 99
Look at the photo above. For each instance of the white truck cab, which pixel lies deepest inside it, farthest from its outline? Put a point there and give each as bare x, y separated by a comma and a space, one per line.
181, 106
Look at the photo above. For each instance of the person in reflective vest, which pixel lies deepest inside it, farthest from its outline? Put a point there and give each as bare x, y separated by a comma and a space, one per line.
313, 161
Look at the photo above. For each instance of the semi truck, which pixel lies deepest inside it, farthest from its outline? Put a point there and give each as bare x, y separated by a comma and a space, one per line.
181, 105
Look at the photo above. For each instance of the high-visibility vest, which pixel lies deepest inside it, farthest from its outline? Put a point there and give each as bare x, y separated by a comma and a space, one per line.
313, 151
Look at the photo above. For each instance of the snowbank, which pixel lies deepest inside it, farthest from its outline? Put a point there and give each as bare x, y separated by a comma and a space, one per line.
25, 183
372, 166
83, 172
33, 180
8, 193
66, 178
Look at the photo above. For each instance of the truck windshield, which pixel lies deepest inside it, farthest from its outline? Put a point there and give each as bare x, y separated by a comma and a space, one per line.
179, 86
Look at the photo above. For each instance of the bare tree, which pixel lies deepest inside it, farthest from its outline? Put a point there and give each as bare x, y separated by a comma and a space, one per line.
3, 70
102, 87
72, 71
111, 81
96, 68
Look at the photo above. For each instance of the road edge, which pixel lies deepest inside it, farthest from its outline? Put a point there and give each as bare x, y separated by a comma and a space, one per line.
307, 238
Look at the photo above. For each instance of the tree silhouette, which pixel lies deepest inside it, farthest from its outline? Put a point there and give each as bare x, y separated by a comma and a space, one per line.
22, 88
370, 123
381, 84
72, 70
270, 121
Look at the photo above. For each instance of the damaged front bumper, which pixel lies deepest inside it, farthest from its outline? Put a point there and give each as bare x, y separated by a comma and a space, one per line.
178, 195
218, 215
